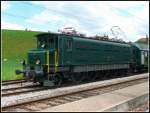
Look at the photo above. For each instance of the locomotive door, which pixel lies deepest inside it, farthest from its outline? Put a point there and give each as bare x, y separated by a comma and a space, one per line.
65, 50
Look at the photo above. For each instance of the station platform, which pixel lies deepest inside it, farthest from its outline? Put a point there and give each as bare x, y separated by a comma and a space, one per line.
118, 100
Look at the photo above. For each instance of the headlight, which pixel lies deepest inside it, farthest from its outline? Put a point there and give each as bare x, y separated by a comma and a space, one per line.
37, 61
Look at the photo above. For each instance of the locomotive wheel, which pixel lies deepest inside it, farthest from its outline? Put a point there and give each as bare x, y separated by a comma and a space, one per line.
77, 77
58, 79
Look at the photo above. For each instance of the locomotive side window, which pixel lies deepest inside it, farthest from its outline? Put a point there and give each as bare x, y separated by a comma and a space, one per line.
142, 57
146, 54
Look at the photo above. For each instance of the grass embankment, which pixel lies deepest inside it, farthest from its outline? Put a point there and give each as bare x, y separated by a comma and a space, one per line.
15, 44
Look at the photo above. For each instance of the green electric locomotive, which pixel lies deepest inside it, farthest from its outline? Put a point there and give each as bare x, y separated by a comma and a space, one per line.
60, 57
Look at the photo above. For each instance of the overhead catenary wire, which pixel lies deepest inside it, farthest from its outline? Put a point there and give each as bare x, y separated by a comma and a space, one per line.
138, 18
61, 12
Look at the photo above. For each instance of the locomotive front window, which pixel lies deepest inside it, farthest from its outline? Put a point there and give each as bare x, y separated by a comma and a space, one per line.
45, 41
42, 44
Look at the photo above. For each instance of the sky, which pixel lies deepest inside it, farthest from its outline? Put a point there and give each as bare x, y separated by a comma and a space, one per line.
88, 17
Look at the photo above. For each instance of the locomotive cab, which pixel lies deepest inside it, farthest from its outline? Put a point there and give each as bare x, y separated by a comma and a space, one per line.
45, 52
48, 43
42, 60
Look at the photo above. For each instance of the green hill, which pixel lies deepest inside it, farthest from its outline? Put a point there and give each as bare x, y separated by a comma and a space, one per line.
15, 44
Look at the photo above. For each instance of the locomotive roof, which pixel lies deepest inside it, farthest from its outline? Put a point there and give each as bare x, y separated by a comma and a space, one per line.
46, 34
52, 33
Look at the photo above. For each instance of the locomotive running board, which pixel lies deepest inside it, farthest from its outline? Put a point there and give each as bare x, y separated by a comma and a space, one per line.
48, 83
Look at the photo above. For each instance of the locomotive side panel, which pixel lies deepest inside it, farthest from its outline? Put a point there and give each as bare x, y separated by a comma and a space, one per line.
98, 55
65, 50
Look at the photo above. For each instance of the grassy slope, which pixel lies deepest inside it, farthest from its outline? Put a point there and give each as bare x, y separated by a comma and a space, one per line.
15, 44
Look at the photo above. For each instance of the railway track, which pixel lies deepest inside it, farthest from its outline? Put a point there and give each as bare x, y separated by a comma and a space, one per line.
20, 90
13, 82
17, 85
58, 99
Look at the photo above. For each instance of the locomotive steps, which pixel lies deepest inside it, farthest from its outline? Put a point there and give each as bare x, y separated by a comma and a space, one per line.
26, 98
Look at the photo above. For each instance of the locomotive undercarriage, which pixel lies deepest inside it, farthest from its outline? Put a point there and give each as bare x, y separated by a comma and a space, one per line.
41, 75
